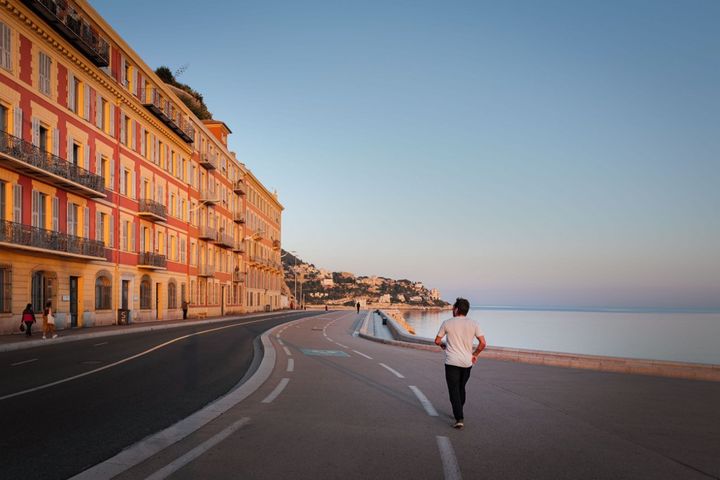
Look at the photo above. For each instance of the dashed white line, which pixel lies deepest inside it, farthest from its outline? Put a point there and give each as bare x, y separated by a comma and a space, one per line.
278, 390
178, 463
291, 365
341, 345
23, 362
100, 344
424, 401
287, 352
363, 355
395, 372
282, 344
451, 469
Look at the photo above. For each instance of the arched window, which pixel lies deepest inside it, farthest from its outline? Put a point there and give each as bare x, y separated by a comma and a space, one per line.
172, 295
103, 293
145, 293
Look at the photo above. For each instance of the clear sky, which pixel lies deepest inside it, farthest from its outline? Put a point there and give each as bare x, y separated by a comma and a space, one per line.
513, 152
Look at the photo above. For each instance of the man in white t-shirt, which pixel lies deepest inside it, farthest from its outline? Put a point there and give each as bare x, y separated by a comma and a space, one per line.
460, 354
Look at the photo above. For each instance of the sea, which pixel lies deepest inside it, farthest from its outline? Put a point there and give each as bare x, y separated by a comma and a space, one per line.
654, 334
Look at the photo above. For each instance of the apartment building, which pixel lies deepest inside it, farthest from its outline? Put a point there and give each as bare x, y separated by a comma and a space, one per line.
113, 195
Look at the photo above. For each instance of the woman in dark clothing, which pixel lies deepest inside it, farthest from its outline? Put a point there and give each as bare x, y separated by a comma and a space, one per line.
28, 317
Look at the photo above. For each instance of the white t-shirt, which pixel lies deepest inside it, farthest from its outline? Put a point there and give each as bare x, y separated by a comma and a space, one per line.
460, 332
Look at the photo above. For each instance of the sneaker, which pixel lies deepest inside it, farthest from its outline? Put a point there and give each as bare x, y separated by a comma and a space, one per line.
55, 336
459, 425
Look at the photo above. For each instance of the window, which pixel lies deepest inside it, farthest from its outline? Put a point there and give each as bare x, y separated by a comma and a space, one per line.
3, 116
75, 94
5, 47
5, 288
39, 209
72, 219
103, 293
44, 73
145, 292
172, 295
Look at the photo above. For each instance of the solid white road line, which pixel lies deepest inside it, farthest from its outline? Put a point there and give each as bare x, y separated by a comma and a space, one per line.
178, 463
363, 355
278, 390
451, 469
287, 351
424, 401
341, 345
395, 372
23, 362
124, 360
291, 365
100, 344
282, 344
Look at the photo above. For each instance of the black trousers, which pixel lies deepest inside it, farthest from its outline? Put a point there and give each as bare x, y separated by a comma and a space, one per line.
456, 378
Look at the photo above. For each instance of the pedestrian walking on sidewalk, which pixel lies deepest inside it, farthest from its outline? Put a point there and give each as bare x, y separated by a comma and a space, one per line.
49, 321
28, 318
460, 333
184, 307
358, 307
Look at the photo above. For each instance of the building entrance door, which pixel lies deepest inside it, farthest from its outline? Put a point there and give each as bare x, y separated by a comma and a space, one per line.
39, 291
157, 301
73, 302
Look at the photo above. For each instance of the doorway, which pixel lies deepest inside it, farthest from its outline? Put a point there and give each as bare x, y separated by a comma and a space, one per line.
41, 290
124, 295
157, 301
73, 302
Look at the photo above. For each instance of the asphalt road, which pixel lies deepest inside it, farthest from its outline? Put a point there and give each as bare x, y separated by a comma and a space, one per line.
336, 406
58, 431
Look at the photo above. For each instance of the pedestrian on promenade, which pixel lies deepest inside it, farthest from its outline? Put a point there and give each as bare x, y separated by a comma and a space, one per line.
357, 305
49, 321
460, 333
184, 307
28, 318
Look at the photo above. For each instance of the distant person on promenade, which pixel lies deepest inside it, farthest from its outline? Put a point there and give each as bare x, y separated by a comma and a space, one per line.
357, 305
460, 332
184, 307
28, 318
49, 321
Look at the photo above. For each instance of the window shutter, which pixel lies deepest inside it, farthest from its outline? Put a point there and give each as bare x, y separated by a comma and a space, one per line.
143, 147
123, 135
56, 142
5, 46
86, 102
135, 81
35, 131
35, 206
98, 111
142, 240
17, 122
71, 91
86, 161
111, 230
98, 226
112, 120
86, 222
56, 214
112, 174
133, 136
98, 165
122, 70
132, 185
70, 219
17, 203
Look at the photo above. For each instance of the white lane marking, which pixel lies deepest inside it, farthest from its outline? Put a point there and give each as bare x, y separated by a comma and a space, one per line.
100, 344
424, 401
280, 342
287, 351
178, 463
291, 365
23, 362
395, 372
451, 469
124, 360
341, 345
363, 355
278, 390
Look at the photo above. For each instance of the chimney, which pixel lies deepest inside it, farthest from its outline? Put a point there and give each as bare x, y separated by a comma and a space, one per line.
219, 129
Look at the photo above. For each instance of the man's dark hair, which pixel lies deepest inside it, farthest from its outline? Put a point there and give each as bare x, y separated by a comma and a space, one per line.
462, 305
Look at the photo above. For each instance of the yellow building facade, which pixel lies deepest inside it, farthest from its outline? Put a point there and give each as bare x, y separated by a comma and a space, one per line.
113, 195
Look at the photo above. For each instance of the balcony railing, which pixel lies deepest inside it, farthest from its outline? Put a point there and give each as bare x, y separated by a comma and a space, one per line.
163, 109
206, 270
64, 18
209, 196
208, 160
152, 210
239, 246
224, 240
151, 260
238, 276
24, 157
207, 233
239, 187
34, 238
238, 217
276, 244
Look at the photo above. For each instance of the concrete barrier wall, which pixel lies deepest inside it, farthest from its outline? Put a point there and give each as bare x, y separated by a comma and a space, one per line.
693, 371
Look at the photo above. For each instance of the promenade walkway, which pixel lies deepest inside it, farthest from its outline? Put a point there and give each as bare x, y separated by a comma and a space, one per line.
332, 405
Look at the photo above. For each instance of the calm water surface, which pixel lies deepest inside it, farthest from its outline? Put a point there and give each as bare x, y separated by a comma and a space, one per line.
657, 335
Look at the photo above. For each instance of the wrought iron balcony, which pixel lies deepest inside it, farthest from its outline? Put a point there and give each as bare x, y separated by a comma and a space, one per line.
163, 109
63, 17
24, 157
224, 240
152, 210
207, 233
239, 247
238, 217
206, 270
208, 160
276, 244
238, 276
208, 196
25, 237
239, 187
153, 261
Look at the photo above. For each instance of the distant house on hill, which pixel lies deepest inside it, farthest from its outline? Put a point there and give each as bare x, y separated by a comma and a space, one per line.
327, 283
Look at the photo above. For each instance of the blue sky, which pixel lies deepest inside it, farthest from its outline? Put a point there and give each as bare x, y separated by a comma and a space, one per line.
515, 152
